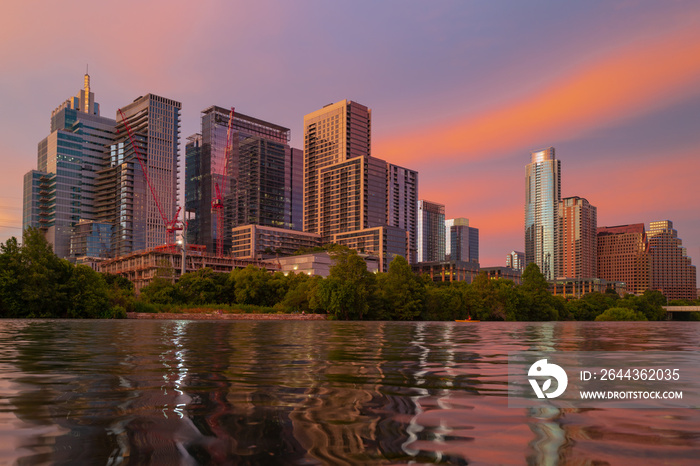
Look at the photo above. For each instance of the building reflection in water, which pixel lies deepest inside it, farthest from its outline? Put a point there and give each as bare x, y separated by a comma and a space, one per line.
311, 393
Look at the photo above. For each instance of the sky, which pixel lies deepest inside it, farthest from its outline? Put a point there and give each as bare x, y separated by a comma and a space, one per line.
461, 91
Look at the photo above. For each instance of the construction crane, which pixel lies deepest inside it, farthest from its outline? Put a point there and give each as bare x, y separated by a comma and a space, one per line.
171, 225
217, 204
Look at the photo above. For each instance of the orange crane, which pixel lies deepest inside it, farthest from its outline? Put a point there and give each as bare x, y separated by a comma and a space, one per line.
217, 204
171, 225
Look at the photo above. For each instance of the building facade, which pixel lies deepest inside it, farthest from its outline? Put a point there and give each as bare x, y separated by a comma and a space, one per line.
431, 231
671, 270
384, 242
622, 256
259, 241
139, 197
542, 197
516, 260
62, 190
461, 240
335, 134
402, 204
579, 247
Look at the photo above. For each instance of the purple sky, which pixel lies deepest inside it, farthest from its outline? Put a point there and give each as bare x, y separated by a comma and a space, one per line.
461, 91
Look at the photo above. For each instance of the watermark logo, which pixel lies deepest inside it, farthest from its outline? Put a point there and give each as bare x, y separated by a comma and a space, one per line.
542, 369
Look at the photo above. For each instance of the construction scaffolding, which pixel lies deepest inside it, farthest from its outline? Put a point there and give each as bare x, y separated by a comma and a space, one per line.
141, 267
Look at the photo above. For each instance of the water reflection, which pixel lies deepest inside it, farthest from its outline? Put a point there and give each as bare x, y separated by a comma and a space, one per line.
314, 393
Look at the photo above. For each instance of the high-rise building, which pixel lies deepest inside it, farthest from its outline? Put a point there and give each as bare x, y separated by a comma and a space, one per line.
337, 142
579, 249
542, 196
384, 242
622, 256
461, 240
260, 187
516, 260
671, 271
431, 231
62, 191
137, 209
402, 204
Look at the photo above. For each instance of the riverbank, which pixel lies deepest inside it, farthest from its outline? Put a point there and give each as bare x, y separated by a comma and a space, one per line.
220, 316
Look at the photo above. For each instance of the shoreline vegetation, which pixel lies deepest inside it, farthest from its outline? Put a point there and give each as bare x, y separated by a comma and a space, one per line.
35, 283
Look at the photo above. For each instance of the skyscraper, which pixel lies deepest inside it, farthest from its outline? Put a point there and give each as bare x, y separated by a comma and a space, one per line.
622, 256
431, 231
461, 240
337, 134
578, 238
62, 190
402, 204
671, 271
137, 209
516, 260
542, 196
262, 183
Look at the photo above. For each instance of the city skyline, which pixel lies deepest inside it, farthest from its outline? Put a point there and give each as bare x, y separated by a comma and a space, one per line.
461, 93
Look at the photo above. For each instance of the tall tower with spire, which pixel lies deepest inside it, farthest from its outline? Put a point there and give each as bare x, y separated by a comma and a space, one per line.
61, 192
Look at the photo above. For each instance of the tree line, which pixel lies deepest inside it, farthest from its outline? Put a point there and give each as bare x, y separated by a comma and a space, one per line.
34, 282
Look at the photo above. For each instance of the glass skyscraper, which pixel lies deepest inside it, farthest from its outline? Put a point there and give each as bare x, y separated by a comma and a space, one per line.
542, 197
62, 191
461, 241
431, 231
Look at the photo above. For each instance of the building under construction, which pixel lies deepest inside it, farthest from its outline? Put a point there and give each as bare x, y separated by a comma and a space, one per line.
141, 267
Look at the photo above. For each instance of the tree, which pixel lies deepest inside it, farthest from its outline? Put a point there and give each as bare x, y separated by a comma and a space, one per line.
620, 313
401, 292
536, 301
347, 290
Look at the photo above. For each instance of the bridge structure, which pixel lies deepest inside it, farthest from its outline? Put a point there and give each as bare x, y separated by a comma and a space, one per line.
675, 310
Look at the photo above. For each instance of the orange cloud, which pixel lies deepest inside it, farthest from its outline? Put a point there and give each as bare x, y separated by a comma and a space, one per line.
627, 82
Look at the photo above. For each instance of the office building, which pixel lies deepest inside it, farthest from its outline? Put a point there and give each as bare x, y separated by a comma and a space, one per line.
461, 240
516, 260
671, 271
448, 270
263, 180
139, 208
90, 240
579, 248
402, 204
622, 256
431, 231
61, 191
542, 197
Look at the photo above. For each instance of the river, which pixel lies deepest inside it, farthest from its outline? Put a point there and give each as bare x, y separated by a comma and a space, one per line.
288, 392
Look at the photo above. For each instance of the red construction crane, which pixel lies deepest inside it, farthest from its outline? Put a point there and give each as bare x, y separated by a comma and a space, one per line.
217, 204
171, 225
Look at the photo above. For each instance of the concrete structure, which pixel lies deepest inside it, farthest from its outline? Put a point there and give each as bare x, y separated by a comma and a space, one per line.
622, 256
384, 242
671, 270
319, 263
258, 241
123, 196
402, 204
448, 271
579, 247
61, 191
516, 260
542, 196
431, 231
461, 240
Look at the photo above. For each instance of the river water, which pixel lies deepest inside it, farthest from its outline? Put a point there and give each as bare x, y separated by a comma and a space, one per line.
292, 392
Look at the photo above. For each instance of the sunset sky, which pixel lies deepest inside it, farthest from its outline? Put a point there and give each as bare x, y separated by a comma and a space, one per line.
461, 91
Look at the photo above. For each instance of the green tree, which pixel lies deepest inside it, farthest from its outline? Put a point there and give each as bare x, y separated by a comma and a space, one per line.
11, 279
347, 291
401, 292
620, 313
89, 294
536, 302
